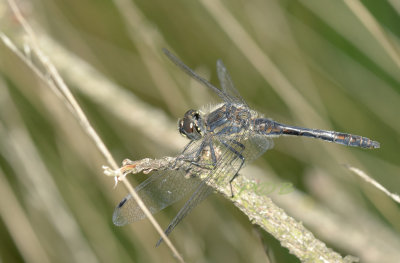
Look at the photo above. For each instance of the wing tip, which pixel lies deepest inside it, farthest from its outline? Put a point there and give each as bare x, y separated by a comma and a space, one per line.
117, 219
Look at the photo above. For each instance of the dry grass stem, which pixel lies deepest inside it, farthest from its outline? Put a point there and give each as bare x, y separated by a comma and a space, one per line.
373, 182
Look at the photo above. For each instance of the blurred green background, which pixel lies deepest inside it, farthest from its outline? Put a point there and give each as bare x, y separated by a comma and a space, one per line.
312, 63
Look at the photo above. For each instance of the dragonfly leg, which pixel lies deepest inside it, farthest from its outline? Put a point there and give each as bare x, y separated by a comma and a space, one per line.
199, 159
239, 155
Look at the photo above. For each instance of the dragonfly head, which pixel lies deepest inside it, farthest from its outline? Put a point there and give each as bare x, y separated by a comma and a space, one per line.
191, 125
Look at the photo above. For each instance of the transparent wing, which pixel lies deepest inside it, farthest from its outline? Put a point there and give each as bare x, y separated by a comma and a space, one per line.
202, 191
227, 85
160, 190
255, 146
228, 149
200, 79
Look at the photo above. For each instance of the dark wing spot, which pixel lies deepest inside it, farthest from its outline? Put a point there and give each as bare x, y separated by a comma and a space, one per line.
122, 202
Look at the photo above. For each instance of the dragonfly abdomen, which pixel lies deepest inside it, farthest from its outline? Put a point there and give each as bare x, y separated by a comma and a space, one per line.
269, 127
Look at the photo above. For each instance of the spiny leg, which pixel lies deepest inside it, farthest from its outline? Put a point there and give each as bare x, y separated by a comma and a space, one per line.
196, 159
206, 165
239, 155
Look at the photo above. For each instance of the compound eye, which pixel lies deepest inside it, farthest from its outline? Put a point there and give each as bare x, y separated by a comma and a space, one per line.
188, 126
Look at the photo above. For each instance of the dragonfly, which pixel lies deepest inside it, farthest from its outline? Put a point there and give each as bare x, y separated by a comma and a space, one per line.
222, 139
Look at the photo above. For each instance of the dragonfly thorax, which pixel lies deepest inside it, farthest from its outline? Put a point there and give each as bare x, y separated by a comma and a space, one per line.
191, 125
